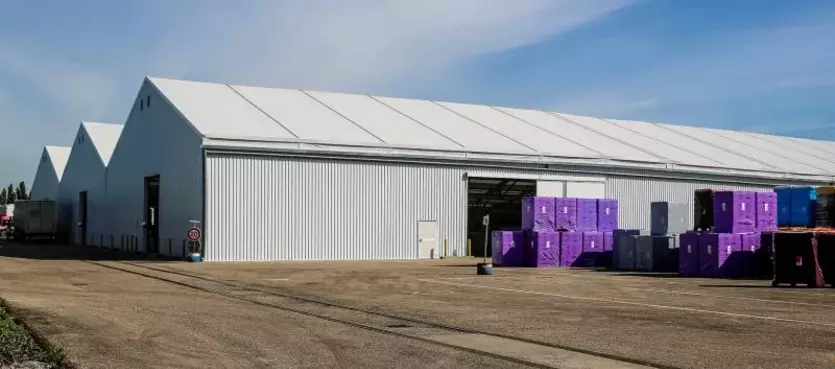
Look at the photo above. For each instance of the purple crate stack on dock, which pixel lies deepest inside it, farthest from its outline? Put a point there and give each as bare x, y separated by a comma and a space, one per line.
571, 247
538, 214
586, 215
592, 249
688, 254
543, 249
509, 248
766, 211
566, 213
720, 255
734, 212
607, 215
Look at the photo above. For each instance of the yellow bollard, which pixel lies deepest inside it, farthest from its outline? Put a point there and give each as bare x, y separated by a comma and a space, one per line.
469, 247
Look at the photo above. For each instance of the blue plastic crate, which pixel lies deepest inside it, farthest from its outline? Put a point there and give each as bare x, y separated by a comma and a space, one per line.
803, 206
784, 206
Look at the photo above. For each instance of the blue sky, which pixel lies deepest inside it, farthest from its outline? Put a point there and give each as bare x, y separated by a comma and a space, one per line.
760, 65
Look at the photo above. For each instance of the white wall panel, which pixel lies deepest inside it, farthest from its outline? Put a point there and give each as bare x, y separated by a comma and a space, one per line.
550, 188
587, 190
273, 208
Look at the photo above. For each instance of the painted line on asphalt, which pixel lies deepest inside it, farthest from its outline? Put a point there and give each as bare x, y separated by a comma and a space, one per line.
595, 299
554, 279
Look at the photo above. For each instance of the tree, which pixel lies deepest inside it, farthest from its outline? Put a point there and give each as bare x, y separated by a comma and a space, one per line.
21, 191
3, 197
11, 196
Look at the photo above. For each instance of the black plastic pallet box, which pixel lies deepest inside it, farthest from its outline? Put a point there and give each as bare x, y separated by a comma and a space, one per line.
703, 210
796, 259
826, 256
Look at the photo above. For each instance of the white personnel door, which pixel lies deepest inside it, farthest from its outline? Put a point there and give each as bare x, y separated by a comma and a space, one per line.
427, 239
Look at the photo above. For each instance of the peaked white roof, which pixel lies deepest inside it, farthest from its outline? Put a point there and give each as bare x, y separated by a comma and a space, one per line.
105, 136
58, 155
231, 116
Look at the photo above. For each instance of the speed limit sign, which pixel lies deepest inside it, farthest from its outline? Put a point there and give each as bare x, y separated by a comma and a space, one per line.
194, 234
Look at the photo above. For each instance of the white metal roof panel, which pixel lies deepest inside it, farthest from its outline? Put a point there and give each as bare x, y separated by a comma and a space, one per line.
518, 130
790, 156
726, 158
826, 148
772, 160
582, 136
384, 122
464, 131
808, 147
666, 149
217, 110
58, 155
304, 116
105, 136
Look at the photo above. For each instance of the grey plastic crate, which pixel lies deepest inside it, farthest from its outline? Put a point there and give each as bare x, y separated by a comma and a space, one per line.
627, 247
656, 254
669, 218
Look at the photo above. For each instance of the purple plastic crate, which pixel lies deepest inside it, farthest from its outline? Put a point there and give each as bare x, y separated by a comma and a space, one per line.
566, 213
538, 214
734, 212
688, 254
543, 249
719, 255
750, 246
592, 249
607, 215
766, 211
586, 215
509, 248
571, 247
605, 259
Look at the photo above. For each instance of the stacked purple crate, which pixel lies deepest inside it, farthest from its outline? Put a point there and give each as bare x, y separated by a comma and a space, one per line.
592, 249
544, 250
586, 215
688, 254
538, 214
719, 255
766, 211
734, 212
571, 247
607, 215
566, 213
605, 259
509, 248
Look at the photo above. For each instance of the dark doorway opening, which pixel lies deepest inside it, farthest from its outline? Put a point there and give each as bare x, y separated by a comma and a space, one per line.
501, 198
152, 214
82, 217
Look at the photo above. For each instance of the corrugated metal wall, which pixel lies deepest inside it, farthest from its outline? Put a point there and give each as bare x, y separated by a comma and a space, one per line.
635, 194
267, 208
280, 208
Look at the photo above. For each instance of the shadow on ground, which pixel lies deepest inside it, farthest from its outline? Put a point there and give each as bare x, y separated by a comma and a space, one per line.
53, 251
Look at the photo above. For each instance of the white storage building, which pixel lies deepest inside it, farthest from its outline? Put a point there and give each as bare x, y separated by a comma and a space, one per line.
280, 174
81, 197
49, 172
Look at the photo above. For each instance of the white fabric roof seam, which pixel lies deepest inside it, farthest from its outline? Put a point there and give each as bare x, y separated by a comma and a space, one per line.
662, 126
482, 125
547, 131
416, 121
668, 160
802, 147
661, 142
713, 133
600, 153
262, 111
728, 135
343, 116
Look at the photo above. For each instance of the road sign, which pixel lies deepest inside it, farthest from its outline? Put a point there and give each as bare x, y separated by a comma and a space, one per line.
194, 234
485, 220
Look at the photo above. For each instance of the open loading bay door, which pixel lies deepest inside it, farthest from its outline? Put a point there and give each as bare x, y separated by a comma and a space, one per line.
499, 197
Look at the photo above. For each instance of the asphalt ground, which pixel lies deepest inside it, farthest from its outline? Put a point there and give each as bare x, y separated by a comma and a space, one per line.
110, 309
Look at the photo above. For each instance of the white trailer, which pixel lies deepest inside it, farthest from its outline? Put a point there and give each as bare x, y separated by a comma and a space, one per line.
35, 218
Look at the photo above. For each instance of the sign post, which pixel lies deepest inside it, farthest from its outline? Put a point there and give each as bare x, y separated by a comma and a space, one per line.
193, 236
485, 268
